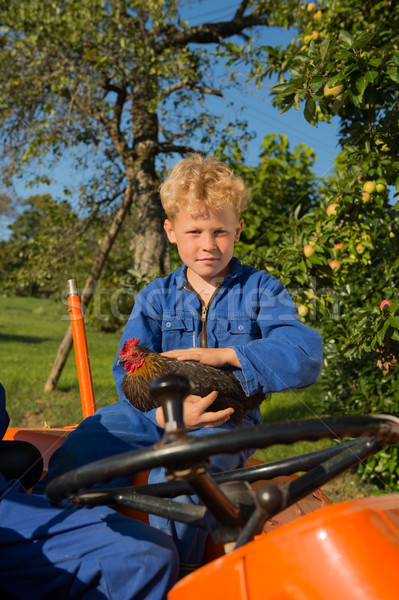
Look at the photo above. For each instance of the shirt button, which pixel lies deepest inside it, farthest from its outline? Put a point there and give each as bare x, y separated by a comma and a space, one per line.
168, 324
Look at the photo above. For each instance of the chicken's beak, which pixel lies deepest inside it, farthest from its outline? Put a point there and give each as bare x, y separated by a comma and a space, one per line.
120, 361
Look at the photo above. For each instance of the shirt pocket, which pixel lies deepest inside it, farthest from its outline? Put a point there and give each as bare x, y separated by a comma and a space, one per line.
238, 330
177, 332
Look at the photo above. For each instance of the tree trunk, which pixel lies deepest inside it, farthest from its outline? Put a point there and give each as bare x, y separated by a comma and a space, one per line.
90, 285
149, 239
151, 254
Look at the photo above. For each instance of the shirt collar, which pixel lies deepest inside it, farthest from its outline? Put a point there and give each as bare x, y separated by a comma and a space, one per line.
235, 271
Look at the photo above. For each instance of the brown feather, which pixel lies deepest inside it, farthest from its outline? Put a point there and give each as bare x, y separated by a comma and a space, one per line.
203, 380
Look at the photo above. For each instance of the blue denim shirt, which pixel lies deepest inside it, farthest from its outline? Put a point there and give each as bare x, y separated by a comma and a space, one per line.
251, 312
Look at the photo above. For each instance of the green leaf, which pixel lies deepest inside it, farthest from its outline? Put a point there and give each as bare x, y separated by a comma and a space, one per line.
297, 211
325, 44
363, 40
370, 76
394, 321
395, 335
393, 73
337, 105
361, 84
346, 37
310, 111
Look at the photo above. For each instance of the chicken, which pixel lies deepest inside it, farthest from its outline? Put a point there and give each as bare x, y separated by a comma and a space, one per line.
142, 366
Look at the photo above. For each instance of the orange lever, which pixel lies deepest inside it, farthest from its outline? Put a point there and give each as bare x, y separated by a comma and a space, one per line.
81, 350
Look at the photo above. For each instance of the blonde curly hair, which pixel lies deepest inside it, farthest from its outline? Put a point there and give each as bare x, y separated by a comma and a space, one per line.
200, 184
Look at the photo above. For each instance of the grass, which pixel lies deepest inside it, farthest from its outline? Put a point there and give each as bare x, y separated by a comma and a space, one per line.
302, 404
31, 330
292, 405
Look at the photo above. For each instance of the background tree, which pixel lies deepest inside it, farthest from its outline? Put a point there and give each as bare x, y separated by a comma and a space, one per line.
113, 86
49, 244
42, 247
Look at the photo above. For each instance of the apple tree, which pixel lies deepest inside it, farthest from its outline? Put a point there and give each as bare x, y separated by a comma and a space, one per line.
343, 64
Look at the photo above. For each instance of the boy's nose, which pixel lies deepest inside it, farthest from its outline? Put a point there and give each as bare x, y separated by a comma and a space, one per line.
208, 242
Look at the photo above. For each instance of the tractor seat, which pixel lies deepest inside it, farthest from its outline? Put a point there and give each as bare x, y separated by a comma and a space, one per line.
20, 460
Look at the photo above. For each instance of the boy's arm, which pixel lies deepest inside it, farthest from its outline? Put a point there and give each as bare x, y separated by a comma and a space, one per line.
287, 355
215, 357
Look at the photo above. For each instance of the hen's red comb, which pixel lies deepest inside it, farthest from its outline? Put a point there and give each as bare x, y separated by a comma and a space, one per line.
128, 346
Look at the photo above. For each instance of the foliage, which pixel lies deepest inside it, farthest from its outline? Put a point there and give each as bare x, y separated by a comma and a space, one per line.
43, 245
353, 51
353, 233
282, 181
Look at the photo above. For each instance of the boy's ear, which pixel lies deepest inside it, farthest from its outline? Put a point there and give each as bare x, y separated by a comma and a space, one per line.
169, 231
239, 229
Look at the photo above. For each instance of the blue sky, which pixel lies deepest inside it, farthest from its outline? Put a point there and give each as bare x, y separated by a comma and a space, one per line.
262, 116
253, 104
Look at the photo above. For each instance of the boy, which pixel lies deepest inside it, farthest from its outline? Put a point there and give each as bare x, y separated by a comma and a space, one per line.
214, 310
48, 552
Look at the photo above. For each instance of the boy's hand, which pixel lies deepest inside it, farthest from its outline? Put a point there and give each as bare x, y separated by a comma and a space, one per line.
215, 357
194, 414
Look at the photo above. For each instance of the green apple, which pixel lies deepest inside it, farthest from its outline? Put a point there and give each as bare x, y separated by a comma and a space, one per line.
308, 250
332, 209
334, 265
369, 187
334, 91
380, 187
302, 310
365, 196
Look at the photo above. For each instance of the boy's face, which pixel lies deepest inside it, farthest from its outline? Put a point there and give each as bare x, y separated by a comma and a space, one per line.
205, 241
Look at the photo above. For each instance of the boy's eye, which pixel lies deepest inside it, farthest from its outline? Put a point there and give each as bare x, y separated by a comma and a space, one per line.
198, 232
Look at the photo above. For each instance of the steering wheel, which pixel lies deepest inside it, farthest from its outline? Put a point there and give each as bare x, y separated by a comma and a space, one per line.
230, 510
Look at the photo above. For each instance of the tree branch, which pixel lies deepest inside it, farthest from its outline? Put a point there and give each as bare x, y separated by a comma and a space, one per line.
168, 148
186, 85
241, 9
208, 33
171, 138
